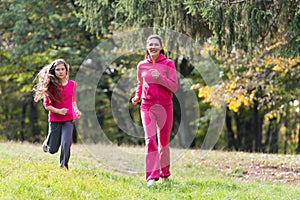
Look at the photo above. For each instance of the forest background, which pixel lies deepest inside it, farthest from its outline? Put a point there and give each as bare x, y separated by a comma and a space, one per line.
254, 43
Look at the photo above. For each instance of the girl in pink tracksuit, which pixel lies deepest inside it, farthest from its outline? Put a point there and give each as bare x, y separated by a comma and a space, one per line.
157, 80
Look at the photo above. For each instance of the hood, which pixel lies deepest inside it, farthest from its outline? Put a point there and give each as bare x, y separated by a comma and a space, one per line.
159, 59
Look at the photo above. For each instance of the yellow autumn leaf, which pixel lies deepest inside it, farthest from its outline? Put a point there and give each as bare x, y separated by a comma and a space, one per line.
204, 51
252, 95
246, 102
278, 68
234, 105
269, 60
258, 69
204, 92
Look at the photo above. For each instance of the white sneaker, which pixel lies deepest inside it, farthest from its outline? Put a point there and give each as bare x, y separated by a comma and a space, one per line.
150, 183
45, 147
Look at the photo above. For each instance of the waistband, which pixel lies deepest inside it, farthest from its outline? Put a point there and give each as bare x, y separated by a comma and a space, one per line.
157, 101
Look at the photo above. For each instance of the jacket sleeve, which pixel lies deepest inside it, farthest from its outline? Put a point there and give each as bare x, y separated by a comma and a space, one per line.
138, 92
171, 80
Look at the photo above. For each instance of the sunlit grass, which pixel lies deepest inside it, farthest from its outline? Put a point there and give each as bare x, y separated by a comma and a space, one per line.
28, 173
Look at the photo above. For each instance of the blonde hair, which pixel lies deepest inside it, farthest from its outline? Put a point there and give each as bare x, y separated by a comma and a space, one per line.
47, 83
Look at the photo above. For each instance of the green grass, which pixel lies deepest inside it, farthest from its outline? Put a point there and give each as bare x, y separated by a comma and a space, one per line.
28, 173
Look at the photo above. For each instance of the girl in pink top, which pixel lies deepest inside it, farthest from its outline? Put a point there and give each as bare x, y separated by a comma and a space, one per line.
59, 95
157, 80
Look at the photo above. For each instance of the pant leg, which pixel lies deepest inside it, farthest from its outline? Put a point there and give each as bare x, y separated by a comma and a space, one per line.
165, 127
54, 137
66, 142
152, 156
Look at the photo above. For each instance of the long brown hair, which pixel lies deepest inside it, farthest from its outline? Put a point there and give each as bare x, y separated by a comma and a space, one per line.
48, 84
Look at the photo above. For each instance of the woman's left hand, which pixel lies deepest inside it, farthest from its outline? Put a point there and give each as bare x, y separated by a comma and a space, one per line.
78, 113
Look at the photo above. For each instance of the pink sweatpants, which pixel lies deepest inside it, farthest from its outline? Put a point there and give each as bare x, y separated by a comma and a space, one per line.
157, 120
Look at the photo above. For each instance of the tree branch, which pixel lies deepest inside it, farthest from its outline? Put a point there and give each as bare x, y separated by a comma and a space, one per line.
228, 2
233, 2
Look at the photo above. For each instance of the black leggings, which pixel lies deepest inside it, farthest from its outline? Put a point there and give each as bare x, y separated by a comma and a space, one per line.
60, 134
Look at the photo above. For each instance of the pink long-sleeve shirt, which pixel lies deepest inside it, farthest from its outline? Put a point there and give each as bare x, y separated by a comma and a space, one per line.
158, 89
68, 95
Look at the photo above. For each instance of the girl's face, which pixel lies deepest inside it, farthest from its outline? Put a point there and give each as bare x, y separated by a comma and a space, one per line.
153, 48
61, 72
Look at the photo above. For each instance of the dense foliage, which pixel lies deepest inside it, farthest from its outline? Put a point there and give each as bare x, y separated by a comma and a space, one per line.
33, 33
255, 44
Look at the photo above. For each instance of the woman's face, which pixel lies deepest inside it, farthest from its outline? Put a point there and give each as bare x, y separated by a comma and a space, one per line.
61, 72
153, 48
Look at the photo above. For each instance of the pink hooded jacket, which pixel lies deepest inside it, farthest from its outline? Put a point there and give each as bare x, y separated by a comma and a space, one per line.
158, 89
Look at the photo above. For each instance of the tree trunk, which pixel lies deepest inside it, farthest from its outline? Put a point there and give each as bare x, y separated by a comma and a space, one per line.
244, 130
273, 127
248, 136
34, 122
257, 128
238, 131
230, 133
22, 133
287, 135
298, 147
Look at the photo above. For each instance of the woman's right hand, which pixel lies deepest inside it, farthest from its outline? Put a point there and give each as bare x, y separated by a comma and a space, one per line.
135, 100
62, 111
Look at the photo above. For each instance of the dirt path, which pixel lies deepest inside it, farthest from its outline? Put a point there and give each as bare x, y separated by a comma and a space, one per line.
283, 172
250, 166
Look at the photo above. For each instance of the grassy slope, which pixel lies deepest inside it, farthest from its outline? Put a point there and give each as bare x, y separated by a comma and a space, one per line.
28, 173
